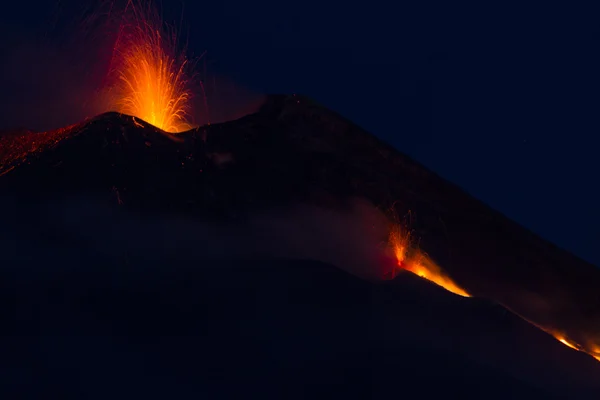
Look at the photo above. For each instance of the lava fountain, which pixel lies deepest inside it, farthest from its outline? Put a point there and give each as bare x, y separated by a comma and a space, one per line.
149, 72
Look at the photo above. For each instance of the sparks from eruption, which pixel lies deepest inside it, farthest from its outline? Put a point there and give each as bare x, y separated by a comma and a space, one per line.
419, 264
152, 80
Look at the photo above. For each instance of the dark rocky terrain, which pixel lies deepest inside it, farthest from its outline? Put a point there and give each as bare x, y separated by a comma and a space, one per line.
256, 320
269, 329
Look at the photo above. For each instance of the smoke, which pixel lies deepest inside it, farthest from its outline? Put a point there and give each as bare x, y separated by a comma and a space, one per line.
43, 86
68, 231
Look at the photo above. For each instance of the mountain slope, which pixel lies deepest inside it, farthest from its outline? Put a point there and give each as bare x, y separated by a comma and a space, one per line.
294, 151
272, 329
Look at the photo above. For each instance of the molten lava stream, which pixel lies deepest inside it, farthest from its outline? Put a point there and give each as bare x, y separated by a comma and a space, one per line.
594, 351
421, 265
425, 268
566, 342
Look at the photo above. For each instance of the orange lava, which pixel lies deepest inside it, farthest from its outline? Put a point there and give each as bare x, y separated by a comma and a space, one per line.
151, 75
16, 149
418, 263
564, 341
426, 268
421, 265
593, 351
591, 348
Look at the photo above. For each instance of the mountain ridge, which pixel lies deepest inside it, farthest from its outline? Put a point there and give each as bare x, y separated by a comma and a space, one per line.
293, 149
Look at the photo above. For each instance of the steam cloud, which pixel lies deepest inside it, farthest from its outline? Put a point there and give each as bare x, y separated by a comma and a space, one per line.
68, 231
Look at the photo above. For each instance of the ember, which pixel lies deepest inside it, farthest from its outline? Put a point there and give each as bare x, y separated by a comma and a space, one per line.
14, 150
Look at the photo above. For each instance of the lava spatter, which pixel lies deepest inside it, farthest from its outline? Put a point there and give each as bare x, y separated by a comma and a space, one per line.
150, 74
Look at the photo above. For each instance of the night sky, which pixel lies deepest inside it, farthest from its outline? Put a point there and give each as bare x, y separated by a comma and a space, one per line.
503, 101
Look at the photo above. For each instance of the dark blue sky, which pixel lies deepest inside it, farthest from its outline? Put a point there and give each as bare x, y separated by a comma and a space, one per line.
504, 101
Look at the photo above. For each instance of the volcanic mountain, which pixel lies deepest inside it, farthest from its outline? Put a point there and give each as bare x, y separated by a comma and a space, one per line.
251, 258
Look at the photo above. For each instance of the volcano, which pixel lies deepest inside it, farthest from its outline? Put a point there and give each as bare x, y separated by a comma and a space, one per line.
251, 259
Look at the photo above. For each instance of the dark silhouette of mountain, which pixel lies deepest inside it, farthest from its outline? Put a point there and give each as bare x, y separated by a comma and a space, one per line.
269, 328
213, 297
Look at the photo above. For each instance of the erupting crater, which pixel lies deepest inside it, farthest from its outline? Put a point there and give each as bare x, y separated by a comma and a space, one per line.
150, 73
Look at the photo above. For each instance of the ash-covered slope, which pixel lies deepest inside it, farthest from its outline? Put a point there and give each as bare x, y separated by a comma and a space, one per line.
294, 151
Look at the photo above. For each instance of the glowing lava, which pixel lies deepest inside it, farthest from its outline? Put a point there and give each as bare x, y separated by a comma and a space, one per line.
594, 351
564, 341
16, 149
421, 265
418, 263
151, 76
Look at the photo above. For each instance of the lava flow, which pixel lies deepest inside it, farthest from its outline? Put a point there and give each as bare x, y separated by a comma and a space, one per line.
151, 76
418, 263
421, 265
592, 350
15, 149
